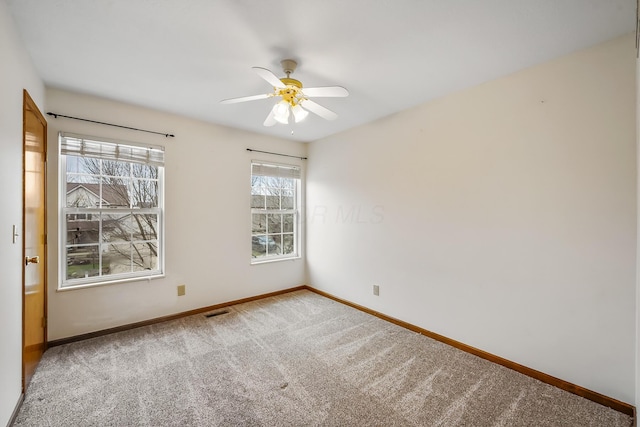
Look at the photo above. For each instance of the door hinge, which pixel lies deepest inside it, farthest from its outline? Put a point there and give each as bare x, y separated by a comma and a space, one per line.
45, 238
44, 322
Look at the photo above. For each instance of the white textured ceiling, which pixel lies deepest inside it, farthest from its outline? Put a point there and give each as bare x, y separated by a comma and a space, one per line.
184, 56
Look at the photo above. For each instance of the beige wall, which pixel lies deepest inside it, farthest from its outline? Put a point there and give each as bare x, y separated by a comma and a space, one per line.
503, 216
637, 401
207, 221
16, 74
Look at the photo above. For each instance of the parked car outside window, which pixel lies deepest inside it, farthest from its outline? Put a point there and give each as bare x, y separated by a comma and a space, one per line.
260, 243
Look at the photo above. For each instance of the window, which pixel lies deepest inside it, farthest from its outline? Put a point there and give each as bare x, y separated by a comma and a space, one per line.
274, 211
111, 211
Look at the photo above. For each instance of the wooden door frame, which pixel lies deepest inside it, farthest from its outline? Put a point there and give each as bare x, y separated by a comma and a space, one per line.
29, 104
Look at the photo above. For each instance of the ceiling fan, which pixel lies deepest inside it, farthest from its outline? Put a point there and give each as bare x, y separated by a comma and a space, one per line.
294, 99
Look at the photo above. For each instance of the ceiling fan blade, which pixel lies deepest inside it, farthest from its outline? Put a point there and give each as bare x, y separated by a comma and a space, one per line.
245, 99
319, 110
270, 120
329, 91
271, 78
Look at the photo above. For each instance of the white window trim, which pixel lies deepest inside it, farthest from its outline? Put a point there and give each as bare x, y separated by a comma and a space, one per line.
65, 284
297, 211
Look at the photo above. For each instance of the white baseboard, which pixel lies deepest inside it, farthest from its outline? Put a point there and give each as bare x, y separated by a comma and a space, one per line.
16, 410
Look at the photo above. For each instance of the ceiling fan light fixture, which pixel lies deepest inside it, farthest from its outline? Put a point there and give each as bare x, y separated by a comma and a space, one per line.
299, 113
291, 95
281, 112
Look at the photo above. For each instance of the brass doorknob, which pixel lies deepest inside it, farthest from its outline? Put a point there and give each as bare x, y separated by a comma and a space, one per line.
32, 260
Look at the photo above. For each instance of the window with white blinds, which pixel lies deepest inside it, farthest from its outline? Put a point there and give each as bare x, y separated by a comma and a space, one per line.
112, 206
274, 211
77, 145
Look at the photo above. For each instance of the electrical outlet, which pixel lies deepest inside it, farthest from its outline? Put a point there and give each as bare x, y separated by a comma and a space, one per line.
182, 290
376, 290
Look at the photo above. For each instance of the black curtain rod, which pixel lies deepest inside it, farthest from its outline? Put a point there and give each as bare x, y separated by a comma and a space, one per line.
56, 115
277, 154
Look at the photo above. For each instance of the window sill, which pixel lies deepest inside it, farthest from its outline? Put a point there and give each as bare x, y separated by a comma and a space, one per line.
109, 282
271, 260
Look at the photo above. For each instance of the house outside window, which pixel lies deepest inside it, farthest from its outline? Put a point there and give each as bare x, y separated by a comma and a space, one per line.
111, 211
274, 212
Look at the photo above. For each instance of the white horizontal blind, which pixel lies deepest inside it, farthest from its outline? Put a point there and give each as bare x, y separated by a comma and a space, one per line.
77, 145
263, 169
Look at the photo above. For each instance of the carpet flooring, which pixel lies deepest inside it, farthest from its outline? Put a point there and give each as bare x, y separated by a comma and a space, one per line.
297, 359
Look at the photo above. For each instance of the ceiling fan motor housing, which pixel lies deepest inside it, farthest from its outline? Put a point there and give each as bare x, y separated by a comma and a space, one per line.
288, 66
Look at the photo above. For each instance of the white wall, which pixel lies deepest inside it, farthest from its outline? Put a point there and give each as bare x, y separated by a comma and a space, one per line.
637, 401
503, 216
207, 226
16, 74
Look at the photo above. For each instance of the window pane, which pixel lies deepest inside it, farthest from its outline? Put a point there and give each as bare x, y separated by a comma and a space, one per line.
83, 192
287, 223
287, 202
260, 244
259, 223
273, 200
83, 261
144, 171
276, 247
258, 201
83, 165
81, 230
117, 258
74, 165
287, 244
145, 256
257, 184
115, 192
116, 227
144, 227
275, 223
144, 193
